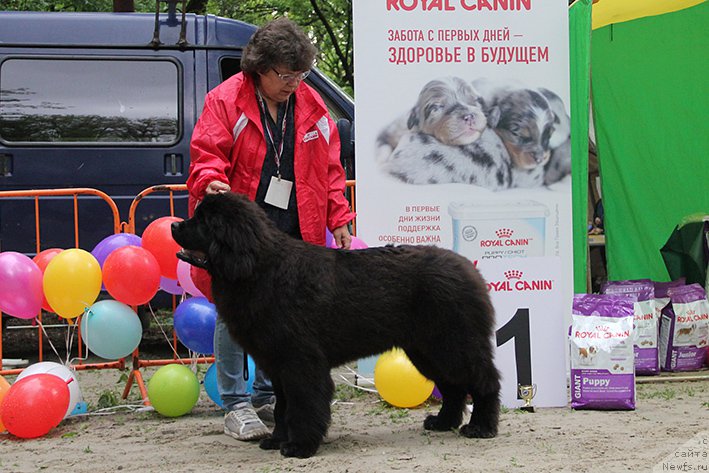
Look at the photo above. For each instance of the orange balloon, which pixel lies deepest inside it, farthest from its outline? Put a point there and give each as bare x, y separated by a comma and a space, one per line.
131, 275
157, 239
4, 388
42, 259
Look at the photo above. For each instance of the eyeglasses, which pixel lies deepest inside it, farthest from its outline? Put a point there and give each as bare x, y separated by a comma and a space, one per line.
289, 78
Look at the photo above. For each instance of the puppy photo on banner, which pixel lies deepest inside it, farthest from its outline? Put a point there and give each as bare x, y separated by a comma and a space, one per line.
463, 142
481, 133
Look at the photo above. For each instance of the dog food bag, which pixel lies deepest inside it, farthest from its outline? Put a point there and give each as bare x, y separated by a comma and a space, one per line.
684, 330
602, 358
646, 323
606, 284
661, 297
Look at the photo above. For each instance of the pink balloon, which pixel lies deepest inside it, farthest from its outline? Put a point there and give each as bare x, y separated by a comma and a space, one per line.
185, 280
357, 244
21, 291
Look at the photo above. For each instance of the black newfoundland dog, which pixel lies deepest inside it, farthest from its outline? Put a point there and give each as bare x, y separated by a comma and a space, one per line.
300, 310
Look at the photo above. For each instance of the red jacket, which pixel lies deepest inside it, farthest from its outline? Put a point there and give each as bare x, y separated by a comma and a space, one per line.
228, 145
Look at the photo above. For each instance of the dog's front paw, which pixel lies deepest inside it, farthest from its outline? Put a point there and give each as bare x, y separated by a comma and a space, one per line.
291, 449
270, 443
477, 431
438, 424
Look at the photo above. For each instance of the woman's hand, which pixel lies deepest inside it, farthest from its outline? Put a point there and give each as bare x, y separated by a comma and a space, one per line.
341, 236
217, 187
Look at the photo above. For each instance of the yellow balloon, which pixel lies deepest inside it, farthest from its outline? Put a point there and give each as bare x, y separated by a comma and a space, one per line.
399, 382
72, 282
4, 388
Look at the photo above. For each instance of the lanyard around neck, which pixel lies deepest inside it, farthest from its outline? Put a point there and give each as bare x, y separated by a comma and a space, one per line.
277, 151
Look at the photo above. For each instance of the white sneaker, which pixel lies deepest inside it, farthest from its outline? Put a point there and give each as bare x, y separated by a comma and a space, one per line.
265, 412
243, 424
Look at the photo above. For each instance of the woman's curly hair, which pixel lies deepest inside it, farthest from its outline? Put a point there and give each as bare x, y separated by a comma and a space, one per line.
280, 42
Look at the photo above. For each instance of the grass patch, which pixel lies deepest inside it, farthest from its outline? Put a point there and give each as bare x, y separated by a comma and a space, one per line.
345, 392
107, 398
666, 393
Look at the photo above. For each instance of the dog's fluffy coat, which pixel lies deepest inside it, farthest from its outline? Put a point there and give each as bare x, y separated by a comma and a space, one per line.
300, 310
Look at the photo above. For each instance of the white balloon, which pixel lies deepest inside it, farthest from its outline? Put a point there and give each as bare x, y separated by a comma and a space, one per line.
61, 371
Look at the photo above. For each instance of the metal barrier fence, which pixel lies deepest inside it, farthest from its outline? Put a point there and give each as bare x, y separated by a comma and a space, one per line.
135, 375
36, 195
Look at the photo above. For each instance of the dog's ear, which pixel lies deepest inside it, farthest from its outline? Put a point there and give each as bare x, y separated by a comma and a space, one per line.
413, 118
493, 117
232, 252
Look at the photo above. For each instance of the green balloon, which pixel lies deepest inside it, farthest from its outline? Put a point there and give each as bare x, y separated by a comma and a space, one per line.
173, 390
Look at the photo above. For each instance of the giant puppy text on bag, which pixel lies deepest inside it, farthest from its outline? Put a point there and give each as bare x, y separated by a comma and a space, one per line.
602, 355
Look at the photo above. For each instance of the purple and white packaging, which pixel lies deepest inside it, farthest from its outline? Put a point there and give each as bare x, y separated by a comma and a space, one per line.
661, 297
602, 355
684, 331
646, 324
606, 284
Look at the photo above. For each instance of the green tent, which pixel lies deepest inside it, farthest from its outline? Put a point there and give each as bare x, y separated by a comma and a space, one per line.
650, 104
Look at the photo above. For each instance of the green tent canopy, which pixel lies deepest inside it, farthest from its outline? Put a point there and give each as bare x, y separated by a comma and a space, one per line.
650, 102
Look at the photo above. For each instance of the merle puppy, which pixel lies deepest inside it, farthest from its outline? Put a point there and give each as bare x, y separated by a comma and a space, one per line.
300, 310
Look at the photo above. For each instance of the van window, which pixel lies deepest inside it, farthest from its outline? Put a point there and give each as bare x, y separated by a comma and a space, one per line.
99, 101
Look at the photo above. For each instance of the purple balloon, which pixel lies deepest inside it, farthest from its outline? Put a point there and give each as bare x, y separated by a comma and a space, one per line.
171, 286
21, 290
329, 239
112, 242
194, 322
436, 393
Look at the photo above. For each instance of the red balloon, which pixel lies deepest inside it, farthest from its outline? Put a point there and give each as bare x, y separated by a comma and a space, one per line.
42, 259
157, 238
35, 405
131, 275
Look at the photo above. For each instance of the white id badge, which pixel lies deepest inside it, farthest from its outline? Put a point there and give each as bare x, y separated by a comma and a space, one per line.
278, 193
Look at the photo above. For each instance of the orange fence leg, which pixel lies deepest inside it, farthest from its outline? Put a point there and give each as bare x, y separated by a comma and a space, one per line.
36, 194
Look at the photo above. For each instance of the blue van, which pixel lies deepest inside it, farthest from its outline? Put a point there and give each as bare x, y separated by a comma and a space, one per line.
109, 101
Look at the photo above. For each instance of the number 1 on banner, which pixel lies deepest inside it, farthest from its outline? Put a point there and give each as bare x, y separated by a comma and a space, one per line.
517, 328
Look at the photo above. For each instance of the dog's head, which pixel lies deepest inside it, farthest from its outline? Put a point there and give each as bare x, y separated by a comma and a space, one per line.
449, 109
224, 236
526, 125
587, 352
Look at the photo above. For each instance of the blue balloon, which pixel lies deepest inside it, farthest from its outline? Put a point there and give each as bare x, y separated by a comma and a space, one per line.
194, 322
210, 382
111, 329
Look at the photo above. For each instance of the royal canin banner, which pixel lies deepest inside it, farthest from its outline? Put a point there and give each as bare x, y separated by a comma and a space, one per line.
463, 141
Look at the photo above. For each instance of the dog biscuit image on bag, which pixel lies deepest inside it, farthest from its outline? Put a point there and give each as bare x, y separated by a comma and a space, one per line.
646, 323
684, 330
602, 354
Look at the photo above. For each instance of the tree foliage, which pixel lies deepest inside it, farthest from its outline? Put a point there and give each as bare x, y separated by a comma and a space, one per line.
72, 5
328, 22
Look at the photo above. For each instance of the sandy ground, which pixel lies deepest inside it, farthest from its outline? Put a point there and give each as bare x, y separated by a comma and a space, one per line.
366, 435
